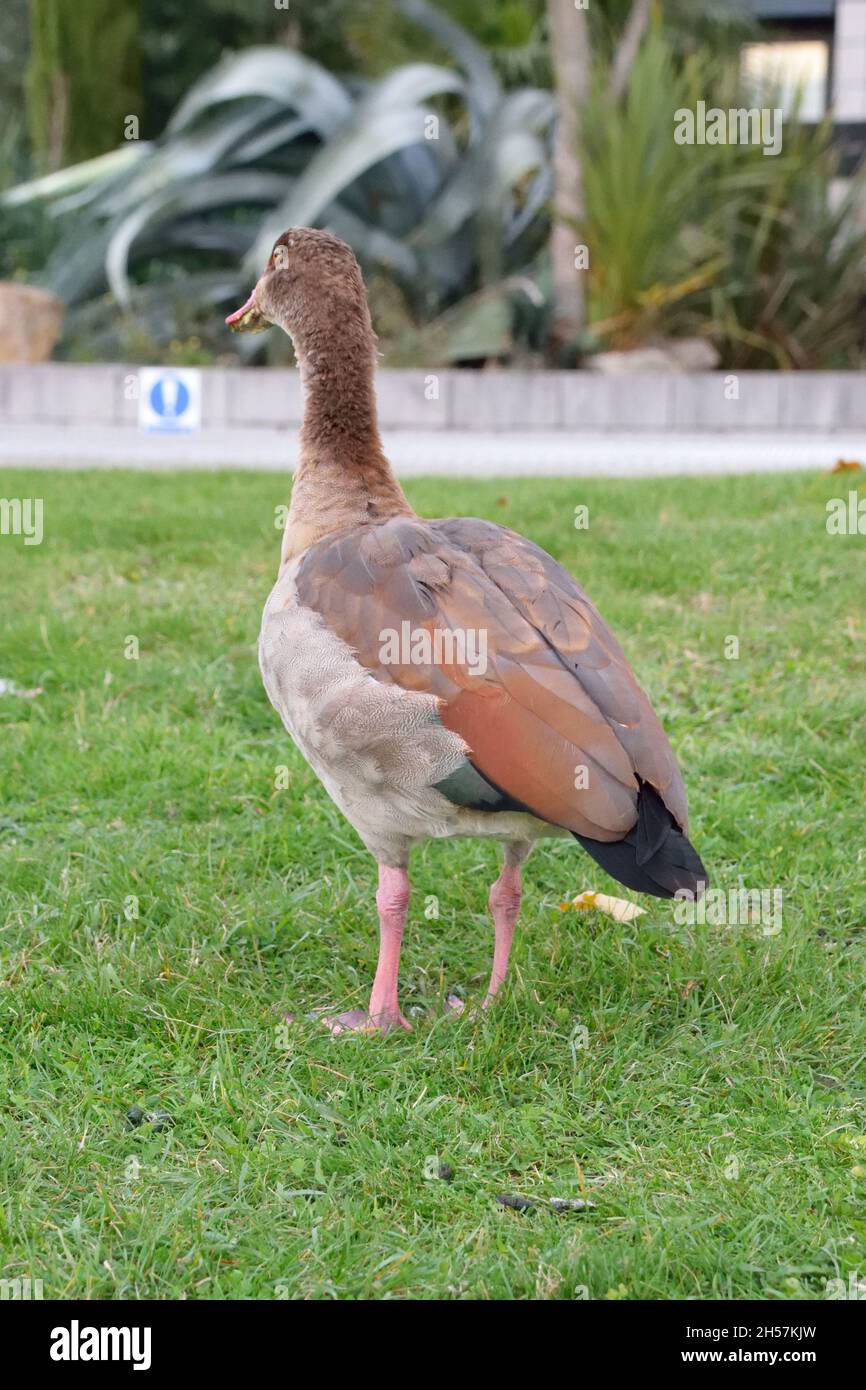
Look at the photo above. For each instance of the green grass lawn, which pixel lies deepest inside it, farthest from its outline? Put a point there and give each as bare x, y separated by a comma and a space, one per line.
713, 1111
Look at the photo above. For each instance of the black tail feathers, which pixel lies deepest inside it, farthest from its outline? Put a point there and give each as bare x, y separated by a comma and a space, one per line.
655, 856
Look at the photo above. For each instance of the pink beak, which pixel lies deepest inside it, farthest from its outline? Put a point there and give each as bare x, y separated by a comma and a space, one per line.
237, 321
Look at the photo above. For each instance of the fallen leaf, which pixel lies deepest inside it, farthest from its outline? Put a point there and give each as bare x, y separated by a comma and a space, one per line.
618, 908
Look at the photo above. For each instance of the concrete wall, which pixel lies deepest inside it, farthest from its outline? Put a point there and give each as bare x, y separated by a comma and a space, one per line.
67, 394
849, 61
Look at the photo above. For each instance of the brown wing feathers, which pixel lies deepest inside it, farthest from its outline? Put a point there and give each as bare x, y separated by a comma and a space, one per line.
557, 694
566, 620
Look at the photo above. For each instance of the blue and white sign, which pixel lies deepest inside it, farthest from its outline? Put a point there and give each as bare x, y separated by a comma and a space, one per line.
169, 399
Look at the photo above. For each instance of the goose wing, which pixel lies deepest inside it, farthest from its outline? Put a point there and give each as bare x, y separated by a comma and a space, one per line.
525, 669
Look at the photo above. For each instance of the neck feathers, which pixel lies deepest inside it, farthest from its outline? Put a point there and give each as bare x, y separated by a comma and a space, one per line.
343, 477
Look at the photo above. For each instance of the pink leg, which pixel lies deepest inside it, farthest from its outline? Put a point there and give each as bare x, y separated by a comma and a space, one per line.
504, 904
392, 900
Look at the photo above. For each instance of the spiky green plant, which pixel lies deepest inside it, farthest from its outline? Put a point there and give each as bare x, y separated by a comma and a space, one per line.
792, 291
650, 249
763, 255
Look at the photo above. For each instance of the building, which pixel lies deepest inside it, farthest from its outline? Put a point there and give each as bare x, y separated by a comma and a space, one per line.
820, 47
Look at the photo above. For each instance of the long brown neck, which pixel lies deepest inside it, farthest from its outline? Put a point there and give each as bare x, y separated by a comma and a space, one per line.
343, 477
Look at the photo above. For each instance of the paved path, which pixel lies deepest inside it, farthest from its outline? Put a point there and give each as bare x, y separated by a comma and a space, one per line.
455, 453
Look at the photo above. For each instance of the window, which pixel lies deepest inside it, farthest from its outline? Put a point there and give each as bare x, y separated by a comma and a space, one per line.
785, 68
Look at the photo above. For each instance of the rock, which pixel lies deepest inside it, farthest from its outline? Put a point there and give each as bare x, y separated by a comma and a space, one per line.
136, 1116
515, 1203
675, 355
508, 1199
30, 322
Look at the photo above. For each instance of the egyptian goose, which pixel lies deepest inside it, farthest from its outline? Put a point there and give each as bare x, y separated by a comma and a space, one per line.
442, 678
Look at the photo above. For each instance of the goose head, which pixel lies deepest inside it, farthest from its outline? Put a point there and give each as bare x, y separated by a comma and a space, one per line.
312, 281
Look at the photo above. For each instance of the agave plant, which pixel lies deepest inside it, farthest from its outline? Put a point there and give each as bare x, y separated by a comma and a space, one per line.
436, 176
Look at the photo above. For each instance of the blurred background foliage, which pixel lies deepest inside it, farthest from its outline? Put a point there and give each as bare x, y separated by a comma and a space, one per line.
250, 118
82, 78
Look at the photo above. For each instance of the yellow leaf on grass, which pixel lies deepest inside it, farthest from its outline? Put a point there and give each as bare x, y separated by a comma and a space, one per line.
618, 908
